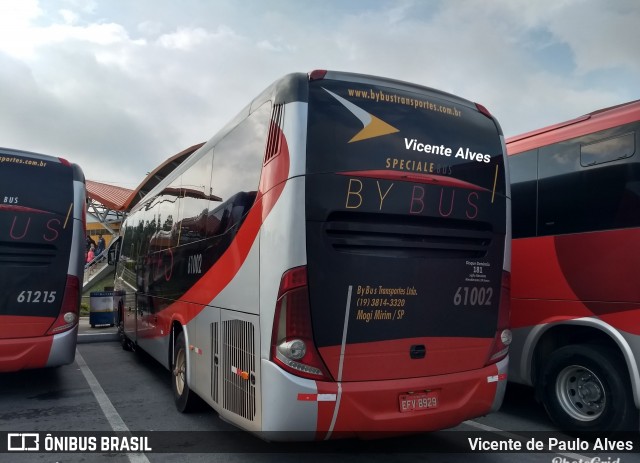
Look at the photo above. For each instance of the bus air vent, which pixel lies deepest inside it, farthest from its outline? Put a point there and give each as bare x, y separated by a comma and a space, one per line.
407, 236
238, 350
273, 141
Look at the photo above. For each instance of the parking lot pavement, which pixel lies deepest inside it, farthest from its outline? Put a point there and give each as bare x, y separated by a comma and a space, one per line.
98, 333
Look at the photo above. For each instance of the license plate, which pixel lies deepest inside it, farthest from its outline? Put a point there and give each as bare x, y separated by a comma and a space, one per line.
418, 401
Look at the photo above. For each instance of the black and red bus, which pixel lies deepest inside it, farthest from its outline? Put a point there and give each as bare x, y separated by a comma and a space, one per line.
576, 298
335, 262
42, 249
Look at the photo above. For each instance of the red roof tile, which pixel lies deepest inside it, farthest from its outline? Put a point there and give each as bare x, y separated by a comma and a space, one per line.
114, 197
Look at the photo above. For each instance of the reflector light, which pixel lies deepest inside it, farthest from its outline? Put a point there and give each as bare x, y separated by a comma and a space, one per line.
65, 162
484, 110
317, 74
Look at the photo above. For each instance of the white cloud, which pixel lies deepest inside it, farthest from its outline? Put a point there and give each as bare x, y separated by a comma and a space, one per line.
69, 16
184, 39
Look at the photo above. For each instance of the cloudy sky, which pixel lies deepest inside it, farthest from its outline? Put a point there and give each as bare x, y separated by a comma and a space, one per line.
118, 86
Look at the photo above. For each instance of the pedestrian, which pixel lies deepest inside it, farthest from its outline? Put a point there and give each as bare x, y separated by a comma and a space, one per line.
100, 246
90, 256
90, 242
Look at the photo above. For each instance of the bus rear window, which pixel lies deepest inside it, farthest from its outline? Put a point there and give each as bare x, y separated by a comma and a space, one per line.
355, 127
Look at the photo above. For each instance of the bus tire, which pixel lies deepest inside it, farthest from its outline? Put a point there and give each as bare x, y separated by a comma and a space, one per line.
125, 343
124, 340
585, 388
185, 399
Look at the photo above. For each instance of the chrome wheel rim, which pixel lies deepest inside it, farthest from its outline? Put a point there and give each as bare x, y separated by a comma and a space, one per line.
580, 393
179, 371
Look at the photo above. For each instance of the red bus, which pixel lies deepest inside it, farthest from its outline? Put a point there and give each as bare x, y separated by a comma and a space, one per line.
42, 249
334, 262
575, 296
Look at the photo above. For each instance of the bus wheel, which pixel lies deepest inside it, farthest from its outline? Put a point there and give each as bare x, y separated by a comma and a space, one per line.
586, 388
124, 341
186, 400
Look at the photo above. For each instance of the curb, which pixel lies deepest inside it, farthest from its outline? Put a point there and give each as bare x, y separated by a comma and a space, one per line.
87, 334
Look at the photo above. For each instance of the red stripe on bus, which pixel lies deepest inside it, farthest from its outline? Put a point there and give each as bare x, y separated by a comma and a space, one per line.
578, 275
397, 175
12, 208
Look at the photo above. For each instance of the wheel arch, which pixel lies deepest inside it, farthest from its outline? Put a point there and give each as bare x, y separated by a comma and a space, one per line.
548, 337
176, 328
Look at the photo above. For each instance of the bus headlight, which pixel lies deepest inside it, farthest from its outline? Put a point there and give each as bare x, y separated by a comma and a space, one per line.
69, 317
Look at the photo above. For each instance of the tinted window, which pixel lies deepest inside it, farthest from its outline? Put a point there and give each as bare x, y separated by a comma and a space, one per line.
166, 213
524, 191
354, 127
574, 198
196, 197
237, 158
612, 149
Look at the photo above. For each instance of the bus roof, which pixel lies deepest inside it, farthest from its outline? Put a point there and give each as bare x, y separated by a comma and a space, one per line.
592, 122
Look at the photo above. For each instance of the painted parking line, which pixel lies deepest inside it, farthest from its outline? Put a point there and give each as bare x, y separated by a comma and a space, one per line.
110, 412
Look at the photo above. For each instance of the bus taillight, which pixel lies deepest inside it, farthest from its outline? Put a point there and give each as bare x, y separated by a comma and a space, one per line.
292, 344
68, 316
501, 342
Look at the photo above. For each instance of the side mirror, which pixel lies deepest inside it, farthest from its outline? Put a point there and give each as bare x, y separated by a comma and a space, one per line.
111, 256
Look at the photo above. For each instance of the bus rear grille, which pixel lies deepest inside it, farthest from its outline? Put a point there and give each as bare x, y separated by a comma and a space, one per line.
238, 350
407, 236
26, 254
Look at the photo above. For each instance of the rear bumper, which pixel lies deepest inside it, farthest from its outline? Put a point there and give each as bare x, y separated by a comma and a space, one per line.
38, 352
371, 409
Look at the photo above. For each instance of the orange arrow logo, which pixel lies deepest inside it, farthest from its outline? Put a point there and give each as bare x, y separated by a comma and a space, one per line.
373, 126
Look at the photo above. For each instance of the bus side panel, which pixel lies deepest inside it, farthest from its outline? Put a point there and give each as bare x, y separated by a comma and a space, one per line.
206, 328
205, 355
242, 292
590, 269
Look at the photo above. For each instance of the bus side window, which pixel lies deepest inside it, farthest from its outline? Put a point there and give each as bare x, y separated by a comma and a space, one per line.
524, 192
